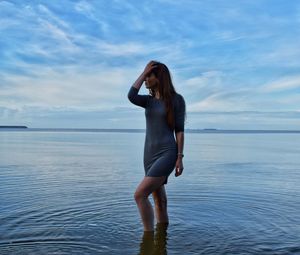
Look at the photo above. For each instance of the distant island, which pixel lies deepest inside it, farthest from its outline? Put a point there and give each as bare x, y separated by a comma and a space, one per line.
13, 127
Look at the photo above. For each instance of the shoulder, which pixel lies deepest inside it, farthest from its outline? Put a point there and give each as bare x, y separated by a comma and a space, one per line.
178, 99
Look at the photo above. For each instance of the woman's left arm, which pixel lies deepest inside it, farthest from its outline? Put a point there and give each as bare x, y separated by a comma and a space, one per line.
180, 145
179, 132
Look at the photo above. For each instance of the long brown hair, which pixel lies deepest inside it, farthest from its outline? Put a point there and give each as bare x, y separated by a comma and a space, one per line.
166, 90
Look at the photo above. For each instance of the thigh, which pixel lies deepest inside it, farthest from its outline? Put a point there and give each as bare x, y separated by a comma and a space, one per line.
160, 195
150, 184
164, 165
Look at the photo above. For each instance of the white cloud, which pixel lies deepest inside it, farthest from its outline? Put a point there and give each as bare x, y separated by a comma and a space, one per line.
57, 33
84, 7
284, 83
87, 9
219, 101
69, 64
125, 49
206, 79
101, 88
51, 16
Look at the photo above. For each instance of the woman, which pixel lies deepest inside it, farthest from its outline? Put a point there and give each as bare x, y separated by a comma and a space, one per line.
165, 113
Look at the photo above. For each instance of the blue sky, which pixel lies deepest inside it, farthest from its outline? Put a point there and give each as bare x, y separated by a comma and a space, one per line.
71, 63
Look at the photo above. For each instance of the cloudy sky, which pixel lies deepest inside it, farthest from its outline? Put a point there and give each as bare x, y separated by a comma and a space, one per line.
71, 63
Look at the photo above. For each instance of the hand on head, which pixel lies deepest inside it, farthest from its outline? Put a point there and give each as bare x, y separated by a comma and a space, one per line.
149, 67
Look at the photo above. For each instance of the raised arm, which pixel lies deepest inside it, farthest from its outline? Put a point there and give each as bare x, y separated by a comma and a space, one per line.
133, 96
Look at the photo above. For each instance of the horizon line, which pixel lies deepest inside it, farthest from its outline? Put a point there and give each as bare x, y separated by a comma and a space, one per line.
187, 130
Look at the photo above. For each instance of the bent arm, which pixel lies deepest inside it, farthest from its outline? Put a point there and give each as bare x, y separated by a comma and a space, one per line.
133, 96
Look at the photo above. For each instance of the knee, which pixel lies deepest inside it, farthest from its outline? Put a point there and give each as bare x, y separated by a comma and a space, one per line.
138, 196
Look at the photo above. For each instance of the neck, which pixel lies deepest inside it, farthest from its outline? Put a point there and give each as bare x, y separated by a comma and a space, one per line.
157, 94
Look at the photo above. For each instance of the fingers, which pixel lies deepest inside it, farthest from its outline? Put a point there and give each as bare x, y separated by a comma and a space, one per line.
178, 171
152, 63
150, 66
155, 63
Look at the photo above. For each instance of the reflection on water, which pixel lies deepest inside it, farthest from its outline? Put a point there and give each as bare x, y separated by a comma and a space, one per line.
73, 193
155, 242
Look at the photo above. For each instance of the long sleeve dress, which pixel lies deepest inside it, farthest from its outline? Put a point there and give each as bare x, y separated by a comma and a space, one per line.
160, 147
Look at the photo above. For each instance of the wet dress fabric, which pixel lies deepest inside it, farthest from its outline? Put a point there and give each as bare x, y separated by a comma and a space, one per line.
160, 147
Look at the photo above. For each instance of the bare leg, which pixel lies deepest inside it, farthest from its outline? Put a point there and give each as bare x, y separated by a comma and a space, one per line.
160, 199
145, 188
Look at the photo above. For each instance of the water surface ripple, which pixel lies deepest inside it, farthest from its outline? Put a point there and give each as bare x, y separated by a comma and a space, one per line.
72, 193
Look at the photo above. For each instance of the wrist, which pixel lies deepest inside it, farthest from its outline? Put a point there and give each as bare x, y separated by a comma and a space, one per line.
143, 75
180, 155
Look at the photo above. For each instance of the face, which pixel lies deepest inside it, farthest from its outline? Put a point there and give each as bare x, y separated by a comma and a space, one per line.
151, 81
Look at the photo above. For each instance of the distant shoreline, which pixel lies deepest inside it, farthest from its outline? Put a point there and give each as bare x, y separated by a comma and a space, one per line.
13, 127
205, 130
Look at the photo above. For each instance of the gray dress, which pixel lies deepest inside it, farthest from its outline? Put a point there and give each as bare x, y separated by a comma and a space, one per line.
160, 147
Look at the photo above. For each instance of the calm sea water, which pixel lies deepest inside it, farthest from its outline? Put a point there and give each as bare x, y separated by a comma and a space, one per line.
72, 193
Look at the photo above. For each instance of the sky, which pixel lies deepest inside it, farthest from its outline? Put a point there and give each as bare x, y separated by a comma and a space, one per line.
70, 64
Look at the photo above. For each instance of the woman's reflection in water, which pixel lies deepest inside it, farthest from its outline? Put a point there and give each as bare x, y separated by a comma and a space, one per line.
155, 242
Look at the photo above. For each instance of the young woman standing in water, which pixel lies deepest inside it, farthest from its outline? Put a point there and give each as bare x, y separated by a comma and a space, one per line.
165, 114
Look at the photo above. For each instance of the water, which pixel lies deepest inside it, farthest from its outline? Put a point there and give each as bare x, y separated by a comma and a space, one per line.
72, 193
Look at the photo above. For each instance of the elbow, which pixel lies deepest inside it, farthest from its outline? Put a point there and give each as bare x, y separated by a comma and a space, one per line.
179, 129
179, 136
129, 96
